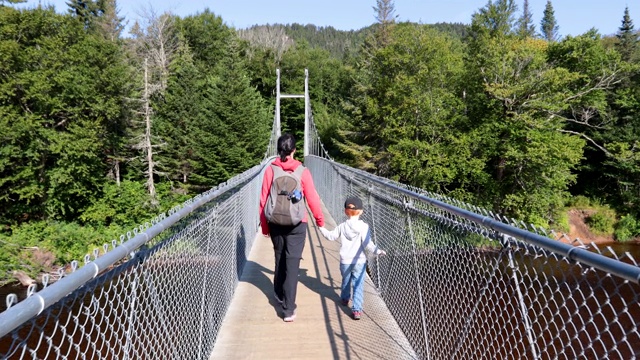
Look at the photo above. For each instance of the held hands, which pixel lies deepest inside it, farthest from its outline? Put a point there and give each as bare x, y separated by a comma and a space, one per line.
324, 231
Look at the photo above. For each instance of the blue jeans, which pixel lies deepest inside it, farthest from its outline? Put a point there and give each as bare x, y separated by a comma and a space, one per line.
353, 275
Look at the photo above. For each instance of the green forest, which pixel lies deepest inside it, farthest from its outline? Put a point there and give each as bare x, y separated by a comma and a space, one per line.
102, 130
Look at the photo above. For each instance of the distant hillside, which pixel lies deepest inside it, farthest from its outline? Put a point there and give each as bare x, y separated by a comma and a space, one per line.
337, 42
456, 29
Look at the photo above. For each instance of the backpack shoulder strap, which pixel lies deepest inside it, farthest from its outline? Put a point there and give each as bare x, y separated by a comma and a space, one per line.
298, 172
277, 170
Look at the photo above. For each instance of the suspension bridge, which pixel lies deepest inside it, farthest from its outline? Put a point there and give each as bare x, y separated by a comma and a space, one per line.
458, 282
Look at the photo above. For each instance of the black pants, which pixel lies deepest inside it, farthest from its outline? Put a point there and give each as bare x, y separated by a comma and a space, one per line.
288, 243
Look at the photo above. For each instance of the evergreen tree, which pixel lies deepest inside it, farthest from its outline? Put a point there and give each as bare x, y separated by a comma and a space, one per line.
496, 18
525, 27
177, 113
87, 11
365, 144
627, 37
548, 25
110, 23
71, 90
232, 132
385, 14
207, 37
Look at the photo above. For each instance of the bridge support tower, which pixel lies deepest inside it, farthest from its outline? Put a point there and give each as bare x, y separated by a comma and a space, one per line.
307, 109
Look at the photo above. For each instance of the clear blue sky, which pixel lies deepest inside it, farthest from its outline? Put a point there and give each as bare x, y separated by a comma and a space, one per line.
574, 16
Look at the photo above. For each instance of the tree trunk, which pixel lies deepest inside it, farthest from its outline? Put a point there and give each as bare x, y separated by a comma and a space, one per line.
147, 134
116, 170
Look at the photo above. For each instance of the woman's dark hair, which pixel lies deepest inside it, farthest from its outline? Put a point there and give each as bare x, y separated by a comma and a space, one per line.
286, 145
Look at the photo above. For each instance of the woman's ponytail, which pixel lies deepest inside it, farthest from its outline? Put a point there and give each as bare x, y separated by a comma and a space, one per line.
286, 145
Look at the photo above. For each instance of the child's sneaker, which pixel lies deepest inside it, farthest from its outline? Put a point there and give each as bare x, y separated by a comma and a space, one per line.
345, 302
357, 315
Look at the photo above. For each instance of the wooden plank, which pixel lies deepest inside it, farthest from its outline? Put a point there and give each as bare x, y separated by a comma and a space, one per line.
323, 329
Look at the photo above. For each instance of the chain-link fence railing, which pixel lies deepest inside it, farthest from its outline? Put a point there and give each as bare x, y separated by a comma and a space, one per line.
159, 293
463, 283
460, 281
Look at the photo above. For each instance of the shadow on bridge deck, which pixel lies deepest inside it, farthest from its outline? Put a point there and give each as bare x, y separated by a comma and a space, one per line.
323, 329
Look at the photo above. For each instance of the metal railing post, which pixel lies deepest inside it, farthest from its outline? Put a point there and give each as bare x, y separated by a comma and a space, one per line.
278, 126
306, 112
418, 282
210, 238
374, 236
131, 317
523, 307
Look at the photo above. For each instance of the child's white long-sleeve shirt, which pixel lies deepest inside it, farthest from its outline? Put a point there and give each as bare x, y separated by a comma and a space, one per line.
355, 237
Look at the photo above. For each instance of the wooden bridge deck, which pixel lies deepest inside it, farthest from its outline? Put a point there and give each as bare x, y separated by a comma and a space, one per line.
323, 329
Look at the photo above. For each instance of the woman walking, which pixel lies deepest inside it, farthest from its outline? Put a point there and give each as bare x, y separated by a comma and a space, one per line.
283, 216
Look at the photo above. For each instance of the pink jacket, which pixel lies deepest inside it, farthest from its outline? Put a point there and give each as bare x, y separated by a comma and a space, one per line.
308, 191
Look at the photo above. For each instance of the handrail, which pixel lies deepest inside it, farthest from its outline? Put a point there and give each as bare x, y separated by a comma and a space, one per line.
598, 261
39, 301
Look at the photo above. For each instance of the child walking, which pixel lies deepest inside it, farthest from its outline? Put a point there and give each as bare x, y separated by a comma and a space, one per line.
355, 237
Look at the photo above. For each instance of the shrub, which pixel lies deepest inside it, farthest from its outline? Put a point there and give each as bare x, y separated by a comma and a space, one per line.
38, 246
67, 241
127, 205
580, 202
627, 228
561, 221
602, 221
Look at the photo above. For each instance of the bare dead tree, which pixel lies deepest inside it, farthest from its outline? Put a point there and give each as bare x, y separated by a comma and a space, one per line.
154, 44
147, 133
272, 37
156, 40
